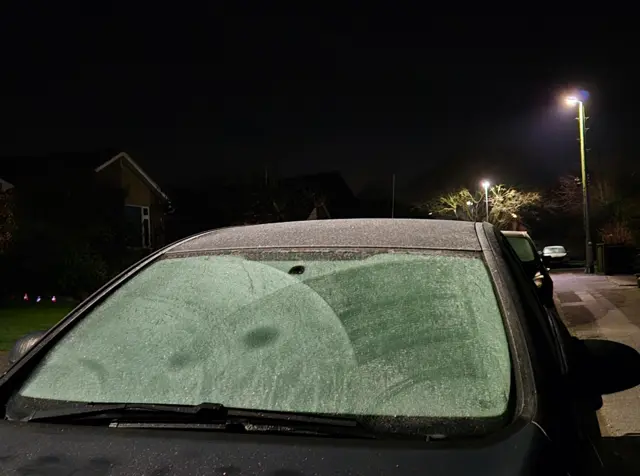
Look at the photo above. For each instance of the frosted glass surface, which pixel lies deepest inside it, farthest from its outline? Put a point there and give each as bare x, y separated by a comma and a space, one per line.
393, 334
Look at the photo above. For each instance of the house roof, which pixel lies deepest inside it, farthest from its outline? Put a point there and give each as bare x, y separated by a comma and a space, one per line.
19, 169
137, 168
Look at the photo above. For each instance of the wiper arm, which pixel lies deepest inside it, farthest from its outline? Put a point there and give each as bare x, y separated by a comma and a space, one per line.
115, 410
208, 413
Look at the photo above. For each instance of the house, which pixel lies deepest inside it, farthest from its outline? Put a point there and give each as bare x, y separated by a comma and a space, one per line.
145, 205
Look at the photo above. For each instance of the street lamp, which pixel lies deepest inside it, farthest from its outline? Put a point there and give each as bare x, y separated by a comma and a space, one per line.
486, 185
471, 211
514, 222
573, 101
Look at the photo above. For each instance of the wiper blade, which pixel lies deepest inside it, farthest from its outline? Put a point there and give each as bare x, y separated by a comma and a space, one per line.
147, 415
113, 410
269, 428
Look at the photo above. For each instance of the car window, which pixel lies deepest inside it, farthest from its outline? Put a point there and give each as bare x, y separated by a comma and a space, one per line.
522, 247
392, 334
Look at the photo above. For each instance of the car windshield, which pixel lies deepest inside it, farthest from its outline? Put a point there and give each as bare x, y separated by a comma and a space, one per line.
554, 249
378, 333
523, 248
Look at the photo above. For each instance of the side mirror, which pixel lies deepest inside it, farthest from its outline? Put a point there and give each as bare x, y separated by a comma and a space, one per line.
609, 367
538, 279
544, 286
24, 345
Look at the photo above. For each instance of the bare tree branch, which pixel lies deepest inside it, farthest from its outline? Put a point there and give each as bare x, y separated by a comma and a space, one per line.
507, 204
567, 196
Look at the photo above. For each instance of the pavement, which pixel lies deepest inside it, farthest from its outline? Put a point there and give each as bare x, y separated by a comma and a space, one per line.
607, 307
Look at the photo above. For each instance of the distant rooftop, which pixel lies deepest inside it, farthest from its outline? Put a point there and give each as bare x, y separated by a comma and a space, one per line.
17, 169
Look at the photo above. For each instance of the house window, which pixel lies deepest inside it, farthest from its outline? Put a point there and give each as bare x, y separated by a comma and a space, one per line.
138, 226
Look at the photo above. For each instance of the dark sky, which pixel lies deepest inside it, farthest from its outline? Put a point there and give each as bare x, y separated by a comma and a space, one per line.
197, 94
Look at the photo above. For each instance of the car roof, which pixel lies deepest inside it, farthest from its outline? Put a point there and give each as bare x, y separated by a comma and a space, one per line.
350, 233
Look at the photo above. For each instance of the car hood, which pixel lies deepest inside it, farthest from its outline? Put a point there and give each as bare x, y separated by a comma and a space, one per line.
33, 448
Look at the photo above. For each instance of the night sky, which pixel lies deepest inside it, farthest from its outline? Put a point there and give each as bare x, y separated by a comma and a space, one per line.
195, 95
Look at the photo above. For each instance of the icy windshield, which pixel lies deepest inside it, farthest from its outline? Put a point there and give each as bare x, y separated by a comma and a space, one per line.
394, 334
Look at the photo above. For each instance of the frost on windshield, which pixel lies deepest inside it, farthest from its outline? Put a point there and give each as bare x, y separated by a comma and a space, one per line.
394, 334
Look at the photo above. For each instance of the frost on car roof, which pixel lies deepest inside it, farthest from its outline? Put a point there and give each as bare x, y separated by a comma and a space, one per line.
375, 233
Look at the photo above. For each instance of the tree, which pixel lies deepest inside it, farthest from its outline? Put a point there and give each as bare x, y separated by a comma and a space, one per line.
7, 220
71, 234
265, 203
505, 204
274, 202
614, 204
461, 204
568, 194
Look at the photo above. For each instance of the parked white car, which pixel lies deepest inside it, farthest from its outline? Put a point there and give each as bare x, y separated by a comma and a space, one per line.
555, 255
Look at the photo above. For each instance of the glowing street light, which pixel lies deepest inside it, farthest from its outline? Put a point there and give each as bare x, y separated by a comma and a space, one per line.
573, 101
485, 185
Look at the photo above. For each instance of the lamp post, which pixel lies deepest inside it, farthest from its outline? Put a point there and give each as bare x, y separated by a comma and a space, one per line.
486, 185
470, 206
572, 101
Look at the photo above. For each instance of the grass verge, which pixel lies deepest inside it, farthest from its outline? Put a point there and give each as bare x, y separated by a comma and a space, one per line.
16, 321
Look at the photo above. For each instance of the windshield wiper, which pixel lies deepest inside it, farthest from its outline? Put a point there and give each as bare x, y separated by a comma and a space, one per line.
115, 410
221, 417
